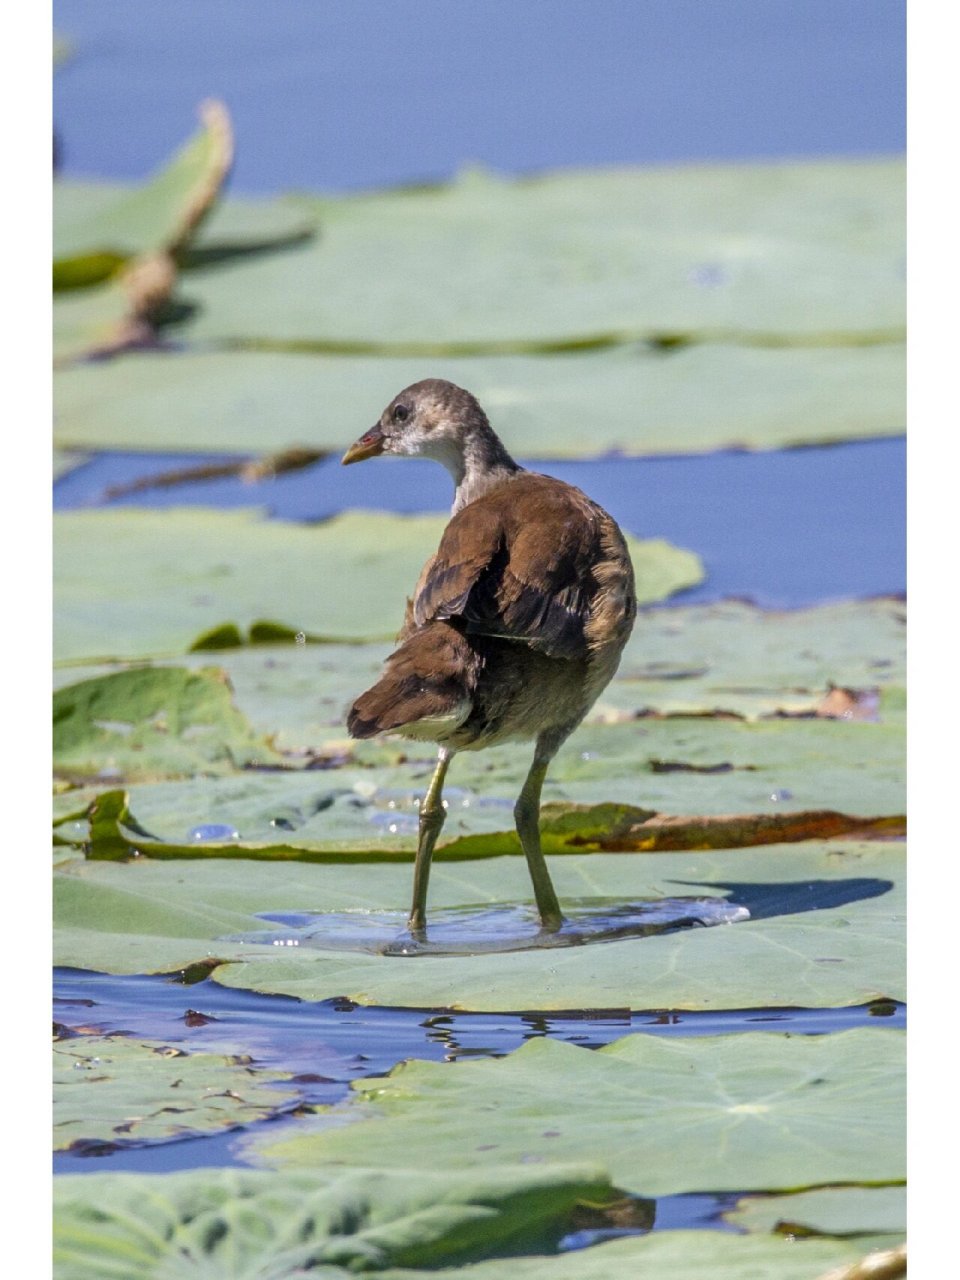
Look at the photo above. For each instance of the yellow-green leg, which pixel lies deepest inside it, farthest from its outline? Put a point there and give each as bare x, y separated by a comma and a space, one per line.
527, 816
432, 814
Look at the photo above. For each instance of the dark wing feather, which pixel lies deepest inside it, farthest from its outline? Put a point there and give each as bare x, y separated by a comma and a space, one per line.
517, 564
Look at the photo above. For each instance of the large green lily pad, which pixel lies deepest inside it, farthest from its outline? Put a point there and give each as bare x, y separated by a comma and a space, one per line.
148, 916
110, 1089
633, 399
137, 583
828, 1211
239, 1223
666, 1116
153, 722
766, 252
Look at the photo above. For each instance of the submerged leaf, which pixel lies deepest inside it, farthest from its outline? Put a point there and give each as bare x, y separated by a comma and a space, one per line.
117, 1090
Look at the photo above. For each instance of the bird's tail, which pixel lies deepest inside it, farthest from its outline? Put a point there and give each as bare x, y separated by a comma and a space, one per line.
426, 689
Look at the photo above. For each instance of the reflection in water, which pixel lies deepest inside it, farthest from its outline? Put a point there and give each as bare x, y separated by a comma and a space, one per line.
326, 1044
472, 931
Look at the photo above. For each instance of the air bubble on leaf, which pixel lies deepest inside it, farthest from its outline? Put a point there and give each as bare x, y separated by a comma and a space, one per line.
301, 637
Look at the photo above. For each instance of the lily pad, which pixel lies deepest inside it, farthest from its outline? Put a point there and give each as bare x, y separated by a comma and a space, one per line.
826, 1211
114, 1089
666, 1116
766, 253
326, 1222
91, 214
159, 216
111, 830
716, 768
826, 928
636, 400
695, 660
681, 1255
109, 318
151, 722
136, 583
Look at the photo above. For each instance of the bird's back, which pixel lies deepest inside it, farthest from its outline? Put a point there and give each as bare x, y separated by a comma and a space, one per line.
517, 622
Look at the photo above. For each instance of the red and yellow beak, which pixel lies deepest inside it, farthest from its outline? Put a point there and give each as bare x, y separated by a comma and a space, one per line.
368, 446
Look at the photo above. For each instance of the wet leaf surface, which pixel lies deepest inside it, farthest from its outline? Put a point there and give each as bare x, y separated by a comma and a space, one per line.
108, 829
115, 1090
763, 1111
826, 928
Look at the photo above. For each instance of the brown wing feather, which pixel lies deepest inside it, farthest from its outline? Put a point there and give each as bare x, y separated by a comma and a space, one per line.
431, 676
517, 563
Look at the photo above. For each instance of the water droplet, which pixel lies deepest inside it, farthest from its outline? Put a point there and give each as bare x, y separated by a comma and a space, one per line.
708, 275
282, 824
784, 794
301, 638
397, 824
589, 755
213, 831
72, 831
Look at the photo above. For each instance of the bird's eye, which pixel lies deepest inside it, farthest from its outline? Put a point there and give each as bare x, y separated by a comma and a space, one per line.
401, 413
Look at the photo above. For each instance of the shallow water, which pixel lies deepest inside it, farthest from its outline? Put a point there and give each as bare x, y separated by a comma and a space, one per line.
492, 930
782, 554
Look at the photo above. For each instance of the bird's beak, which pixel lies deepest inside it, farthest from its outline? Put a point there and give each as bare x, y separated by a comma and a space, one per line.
368, 446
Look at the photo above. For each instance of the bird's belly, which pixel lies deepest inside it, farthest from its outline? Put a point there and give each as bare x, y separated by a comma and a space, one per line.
522, 693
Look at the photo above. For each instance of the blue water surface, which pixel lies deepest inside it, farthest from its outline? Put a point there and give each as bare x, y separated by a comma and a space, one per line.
374, 92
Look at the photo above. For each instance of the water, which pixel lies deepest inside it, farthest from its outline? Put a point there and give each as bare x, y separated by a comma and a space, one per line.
333, 96
782, 554
327, 1044
492, 930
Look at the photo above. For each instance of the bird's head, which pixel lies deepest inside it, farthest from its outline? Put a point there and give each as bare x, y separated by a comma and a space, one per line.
430, 419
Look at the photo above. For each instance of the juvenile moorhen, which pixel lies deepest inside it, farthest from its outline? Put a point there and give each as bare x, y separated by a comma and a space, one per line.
516, 625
